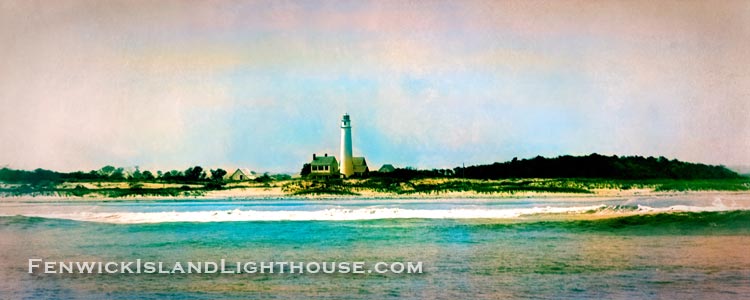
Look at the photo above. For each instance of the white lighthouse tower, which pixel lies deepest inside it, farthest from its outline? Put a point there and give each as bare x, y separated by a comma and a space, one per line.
347, 167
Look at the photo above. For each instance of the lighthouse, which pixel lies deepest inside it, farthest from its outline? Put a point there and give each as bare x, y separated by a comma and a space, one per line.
347, 167
327, 166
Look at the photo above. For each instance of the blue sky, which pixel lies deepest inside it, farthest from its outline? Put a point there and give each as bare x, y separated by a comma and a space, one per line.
263, 84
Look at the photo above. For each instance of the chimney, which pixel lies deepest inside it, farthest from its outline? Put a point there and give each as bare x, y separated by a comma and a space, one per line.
313, 156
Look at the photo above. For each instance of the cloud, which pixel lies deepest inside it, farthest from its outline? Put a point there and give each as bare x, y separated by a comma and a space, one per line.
262, 84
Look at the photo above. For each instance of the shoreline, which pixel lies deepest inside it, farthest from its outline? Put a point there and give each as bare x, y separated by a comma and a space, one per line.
277, 194
373, 189
493, 210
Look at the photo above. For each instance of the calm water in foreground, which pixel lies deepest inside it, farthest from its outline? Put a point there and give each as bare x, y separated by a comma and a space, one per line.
615, 251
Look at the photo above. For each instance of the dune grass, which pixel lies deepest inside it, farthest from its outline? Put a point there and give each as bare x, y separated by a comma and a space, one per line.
421, 186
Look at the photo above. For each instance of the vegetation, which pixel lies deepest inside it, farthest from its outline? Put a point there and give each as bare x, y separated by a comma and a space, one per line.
194, 181
80, 191
703, 185
305, 187
564, 174
597, 166
436, 186
111, 174
433, 186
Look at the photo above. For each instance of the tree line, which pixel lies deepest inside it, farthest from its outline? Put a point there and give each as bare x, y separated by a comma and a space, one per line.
596, 166
590, 166
194, 174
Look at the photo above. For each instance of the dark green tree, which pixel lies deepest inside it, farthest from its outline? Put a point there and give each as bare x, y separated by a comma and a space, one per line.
305, 170
107, 171
218, 174
117, 174
147, 175
194, 173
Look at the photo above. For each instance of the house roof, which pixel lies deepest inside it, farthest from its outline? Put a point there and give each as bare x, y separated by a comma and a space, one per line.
359, 161
359, 164
324, 161
242, 171
387, 168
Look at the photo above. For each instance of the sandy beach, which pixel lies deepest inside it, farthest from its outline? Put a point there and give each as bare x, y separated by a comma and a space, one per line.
259, 193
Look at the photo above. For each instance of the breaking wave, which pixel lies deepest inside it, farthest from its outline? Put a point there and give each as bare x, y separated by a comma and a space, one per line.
342, 214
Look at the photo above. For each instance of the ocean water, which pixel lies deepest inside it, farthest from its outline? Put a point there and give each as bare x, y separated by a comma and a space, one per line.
677, 247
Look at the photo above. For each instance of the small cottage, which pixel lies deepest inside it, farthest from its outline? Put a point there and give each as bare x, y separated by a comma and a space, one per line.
359, 166
387, 168
241, 174
324, 165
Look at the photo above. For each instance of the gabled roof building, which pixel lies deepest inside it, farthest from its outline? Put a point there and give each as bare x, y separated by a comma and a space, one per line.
241, 174
387, 168
324, 165
359, 166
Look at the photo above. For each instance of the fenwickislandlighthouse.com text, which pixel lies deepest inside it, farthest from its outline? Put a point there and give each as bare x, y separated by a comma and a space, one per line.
222, 266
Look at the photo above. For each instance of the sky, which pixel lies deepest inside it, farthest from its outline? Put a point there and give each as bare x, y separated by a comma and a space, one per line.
428, 84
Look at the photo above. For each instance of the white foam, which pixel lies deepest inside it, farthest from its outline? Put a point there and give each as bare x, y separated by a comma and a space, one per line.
339, 214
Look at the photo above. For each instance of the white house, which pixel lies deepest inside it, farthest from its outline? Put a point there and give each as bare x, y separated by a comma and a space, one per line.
241, 174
